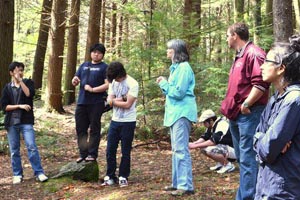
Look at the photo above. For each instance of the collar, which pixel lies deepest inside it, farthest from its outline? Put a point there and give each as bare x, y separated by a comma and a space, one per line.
12, 84
241, 51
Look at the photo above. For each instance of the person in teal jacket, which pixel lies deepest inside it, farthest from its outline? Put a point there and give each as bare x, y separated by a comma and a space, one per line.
180, 113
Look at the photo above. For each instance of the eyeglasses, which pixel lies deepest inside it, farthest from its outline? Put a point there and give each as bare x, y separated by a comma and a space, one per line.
272, 61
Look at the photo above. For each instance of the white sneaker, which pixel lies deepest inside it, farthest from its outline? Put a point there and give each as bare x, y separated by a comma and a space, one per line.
227, 168
17, 179
107, 181
123, 182
42, 178
216, 167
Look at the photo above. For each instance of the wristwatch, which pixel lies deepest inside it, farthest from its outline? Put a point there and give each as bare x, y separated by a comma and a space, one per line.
245, 104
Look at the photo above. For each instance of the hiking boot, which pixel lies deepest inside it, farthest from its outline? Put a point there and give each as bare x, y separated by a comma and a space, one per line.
42, 178
108, 181
226, 168
216, 167
17, 179
180, 192
123, 182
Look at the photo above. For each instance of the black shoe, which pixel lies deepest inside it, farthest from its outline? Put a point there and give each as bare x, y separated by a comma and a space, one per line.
180, 192
169, 188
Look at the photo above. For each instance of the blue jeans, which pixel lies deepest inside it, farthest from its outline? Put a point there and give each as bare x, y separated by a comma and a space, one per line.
32, 150
182, 177
242, 131
124, 132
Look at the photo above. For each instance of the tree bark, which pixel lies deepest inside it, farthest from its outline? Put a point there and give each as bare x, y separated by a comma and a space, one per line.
72, 52
238, 10
283, 20
113, 28
103, 25
93, 26
257, 20
41, 47
6, 39
269, 17
57, 41
297, 14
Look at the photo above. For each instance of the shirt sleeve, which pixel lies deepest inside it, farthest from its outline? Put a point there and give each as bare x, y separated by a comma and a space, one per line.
178, 83
285, 126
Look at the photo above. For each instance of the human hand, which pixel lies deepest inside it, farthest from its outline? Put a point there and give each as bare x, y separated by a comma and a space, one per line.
286, 147
160, 79
245, 110
25, 107
17, 77
88, 88
75, 81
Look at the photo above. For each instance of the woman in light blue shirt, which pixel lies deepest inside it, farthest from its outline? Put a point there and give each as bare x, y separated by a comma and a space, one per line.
180, 112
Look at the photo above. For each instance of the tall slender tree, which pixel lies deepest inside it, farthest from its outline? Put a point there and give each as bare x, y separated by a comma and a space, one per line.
283, 24
238, 10
41, 47
113, 27
93, 26
6, 39
297, 14
103, 25
257, 19
57, 41
72, 51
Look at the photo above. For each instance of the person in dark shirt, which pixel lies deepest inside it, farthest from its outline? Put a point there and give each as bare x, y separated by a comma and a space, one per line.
216, 142
17, 104
277, 140
91, 76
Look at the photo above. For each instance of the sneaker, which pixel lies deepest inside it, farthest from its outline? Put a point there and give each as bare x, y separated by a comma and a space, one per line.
123, 182
108, 181
227, 168
17, 179
216, 167
180, 192
42, 178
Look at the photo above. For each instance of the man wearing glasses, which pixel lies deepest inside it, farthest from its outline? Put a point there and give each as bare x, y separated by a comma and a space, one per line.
245, 100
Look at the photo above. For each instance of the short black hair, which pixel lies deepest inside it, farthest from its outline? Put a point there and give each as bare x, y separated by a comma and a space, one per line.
115, 70
12, 66
99, 47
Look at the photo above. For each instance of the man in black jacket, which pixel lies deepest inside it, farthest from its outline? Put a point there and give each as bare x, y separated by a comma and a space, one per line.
17, 104
216, 142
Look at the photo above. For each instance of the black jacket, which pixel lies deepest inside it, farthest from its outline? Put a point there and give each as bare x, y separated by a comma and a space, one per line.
27, 117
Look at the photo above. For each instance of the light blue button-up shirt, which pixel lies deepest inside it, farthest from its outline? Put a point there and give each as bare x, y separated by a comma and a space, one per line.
179, 91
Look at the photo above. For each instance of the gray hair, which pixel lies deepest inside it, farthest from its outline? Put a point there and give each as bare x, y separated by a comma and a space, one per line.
180, 50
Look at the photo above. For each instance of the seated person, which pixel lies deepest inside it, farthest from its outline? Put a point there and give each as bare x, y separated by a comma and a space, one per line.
216, 142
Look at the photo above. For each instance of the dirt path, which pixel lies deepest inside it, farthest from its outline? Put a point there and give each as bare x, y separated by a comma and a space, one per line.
151, 169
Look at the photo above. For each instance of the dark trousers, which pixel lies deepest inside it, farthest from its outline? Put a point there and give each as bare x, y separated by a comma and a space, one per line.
124, 132
88, 116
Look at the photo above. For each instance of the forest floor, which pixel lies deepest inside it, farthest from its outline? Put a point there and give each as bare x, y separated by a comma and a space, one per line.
150, 169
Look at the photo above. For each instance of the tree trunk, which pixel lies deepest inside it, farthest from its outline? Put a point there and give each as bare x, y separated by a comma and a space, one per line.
113, 28
238, 10
41, 47
6, 39
257, 20
297, 14
187, 18
269, 17
282, 15
72, 52
93, 26
120, 37
103, 25
57, 41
